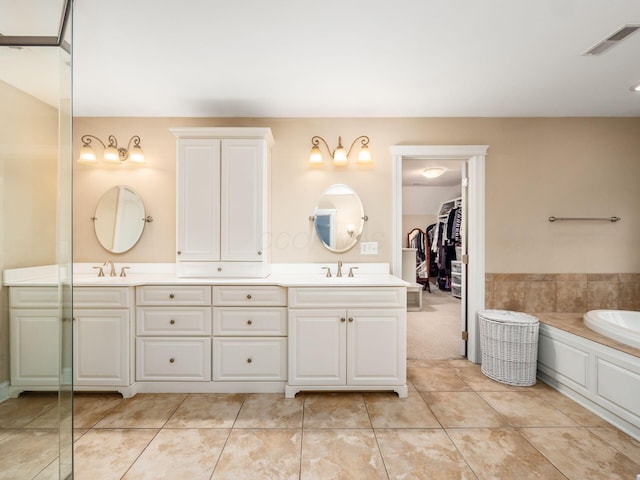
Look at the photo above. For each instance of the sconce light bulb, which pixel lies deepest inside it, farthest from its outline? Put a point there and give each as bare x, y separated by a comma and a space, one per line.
315, 157
365, 155
136, 155
111, 155
340, 157
87, 155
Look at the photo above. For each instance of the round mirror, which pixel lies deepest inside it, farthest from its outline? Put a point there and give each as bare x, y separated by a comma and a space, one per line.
339, 218
119, 219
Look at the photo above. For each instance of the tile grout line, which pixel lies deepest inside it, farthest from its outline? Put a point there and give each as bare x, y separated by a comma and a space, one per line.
375, 436
244, 399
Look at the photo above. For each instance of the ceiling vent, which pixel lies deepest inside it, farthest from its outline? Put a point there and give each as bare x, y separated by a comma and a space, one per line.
612, 40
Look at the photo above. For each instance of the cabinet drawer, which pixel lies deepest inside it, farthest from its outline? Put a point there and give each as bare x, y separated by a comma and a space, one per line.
187, 359
456, 266
250, 295
92, 297
348, 297
249, 359
33, 297
174, 295
173, 321
241, 321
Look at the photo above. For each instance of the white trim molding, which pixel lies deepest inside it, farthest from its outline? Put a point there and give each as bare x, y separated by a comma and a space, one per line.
4, 391
474, 156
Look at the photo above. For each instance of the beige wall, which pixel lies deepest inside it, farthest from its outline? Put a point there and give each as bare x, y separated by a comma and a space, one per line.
536, 167
28, 191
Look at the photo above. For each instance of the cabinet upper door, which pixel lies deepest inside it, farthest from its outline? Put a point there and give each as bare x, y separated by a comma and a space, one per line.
198, 214
242, 192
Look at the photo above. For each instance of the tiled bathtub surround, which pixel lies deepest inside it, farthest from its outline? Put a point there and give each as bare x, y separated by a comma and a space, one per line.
562, 292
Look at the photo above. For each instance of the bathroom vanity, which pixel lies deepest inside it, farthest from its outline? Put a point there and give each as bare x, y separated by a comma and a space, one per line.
157, 332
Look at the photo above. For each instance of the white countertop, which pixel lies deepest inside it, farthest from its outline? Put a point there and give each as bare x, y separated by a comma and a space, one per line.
161, 274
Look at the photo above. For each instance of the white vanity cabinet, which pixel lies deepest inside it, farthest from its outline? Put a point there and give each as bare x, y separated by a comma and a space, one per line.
34, 324
249, 333
350, 338
173, 333
102, 332
222, 201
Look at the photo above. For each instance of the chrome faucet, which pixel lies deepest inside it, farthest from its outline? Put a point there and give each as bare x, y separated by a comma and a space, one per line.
112, 271
339, 274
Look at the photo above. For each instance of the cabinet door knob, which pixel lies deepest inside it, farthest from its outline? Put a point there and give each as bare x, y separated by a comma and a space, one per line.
171, 295
172, 321
259, 252
179, 252
343, 319
249, 322
219, 269
249, 360
249, 296
171, 360
350, 319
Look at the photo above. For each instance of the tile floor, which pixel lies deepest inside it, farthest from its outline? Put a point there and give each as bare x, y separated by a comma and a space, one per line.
455, 424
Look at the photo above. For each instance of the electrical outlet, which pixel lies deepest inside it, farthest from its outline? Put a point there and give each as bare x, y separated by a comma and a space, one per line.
369, 248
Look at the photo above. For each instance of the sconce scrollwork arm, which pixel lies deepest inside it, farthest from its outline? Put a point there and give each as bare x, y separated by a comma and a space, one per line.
365, 143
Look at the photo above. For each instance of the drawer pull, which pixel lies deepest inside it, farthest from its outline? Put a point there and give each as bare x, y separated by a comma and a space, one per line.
171, 295
249, 296
249, 360
350, 319
172, 321
219, 269
343, 319
172, 360
249, 322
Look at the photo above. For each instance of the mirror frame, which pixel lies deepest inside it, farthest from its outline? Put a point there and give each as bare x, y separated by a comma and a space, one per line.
134, 224
354, 227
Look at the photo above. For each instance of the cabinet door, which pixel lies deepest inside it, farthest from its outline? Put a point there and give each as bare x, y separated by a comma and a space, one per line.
35, 346
317, 347
101, 347
198, 192
243, 209
376, 346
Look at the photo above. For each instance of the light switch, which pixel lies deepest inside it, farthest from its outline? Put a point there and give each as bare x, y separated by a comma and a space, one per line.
369, 248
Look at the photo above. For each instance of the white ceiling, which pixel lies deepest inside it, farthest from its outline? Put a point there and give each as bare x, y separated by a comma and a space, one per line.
352, 58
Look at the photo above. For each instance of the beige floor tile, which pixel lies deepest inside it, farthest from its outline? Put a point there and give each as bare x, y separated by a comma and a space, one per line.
270, 410
90, 408
388, 411
107, 454
18, 412
25, 453
436, 379
580, 454
462, 410
148, 410
526, 409
425, 363
51, 472
478, 381
260, 453
180, 453
571, 409
341, 454
207, 410
502, 454
459, 363
421, 454
335, 410
620, 441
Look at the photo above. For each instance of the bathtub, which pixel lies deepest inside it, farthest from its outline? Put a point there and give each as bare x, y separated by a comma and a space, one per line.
620, 325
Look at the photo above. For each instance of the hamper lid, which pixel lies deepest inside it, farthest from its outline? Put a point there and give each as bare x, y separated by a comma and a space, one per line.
508, 316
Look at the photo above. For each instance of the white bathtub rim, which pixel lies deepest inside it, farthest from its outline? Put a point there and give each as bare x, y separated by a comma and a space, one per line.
597, 321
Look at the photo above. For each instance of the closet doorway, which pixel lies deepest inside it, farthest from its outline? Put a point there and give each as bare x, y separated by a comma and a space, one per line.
433, 222
471, 160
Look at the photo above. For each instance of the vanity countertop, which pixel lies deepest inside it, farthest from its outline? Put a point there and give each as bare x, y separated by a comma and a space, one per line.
301, 278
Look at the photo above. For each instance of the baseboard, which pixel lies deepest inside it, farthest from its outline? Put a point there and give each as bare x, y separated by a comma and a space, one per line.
4, 391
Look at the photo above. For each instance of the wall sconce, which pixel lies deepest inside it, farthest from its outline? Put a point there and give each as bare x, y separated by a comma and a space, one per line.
112, 154
340, 155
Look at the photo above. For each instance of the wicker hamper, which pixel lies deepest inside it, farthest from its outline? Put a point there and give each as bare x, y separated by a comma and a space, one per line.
509, 346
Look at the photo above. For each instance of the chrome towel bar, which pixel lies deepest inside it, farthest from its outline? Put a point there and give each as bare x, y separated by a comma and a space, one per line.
605, 219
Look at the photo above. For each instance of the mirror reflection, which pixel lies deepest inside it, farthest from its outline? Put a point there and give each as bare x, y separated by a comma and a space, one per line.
119, 219
339, 218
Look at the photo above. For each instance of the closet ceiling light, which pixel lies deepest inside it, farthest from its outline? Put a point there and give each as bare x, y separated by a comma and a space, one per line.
635, 88
433, 172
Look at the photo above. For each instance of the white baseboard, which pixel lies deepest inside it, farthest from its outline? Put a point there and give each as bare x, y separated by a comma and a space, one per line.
4, 391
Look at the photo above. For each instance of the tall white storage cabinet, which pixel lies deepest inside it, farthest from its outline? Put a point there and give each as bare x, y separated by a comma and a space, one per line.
223, 201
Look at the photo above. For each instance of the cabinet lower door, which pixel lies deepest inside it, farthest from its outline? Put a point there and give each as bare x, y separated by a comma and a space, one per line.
101, 347
35, 346
376, 346
317, 347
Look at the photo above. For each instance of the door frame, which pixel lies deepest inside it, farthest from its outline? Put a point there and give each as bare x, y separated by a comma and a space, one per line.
474, 157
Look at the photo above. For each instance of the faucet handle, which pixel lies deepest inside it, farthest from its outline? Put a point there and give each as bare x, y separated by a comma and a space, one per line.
328, 271
100, 271
123, 273
351, 269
